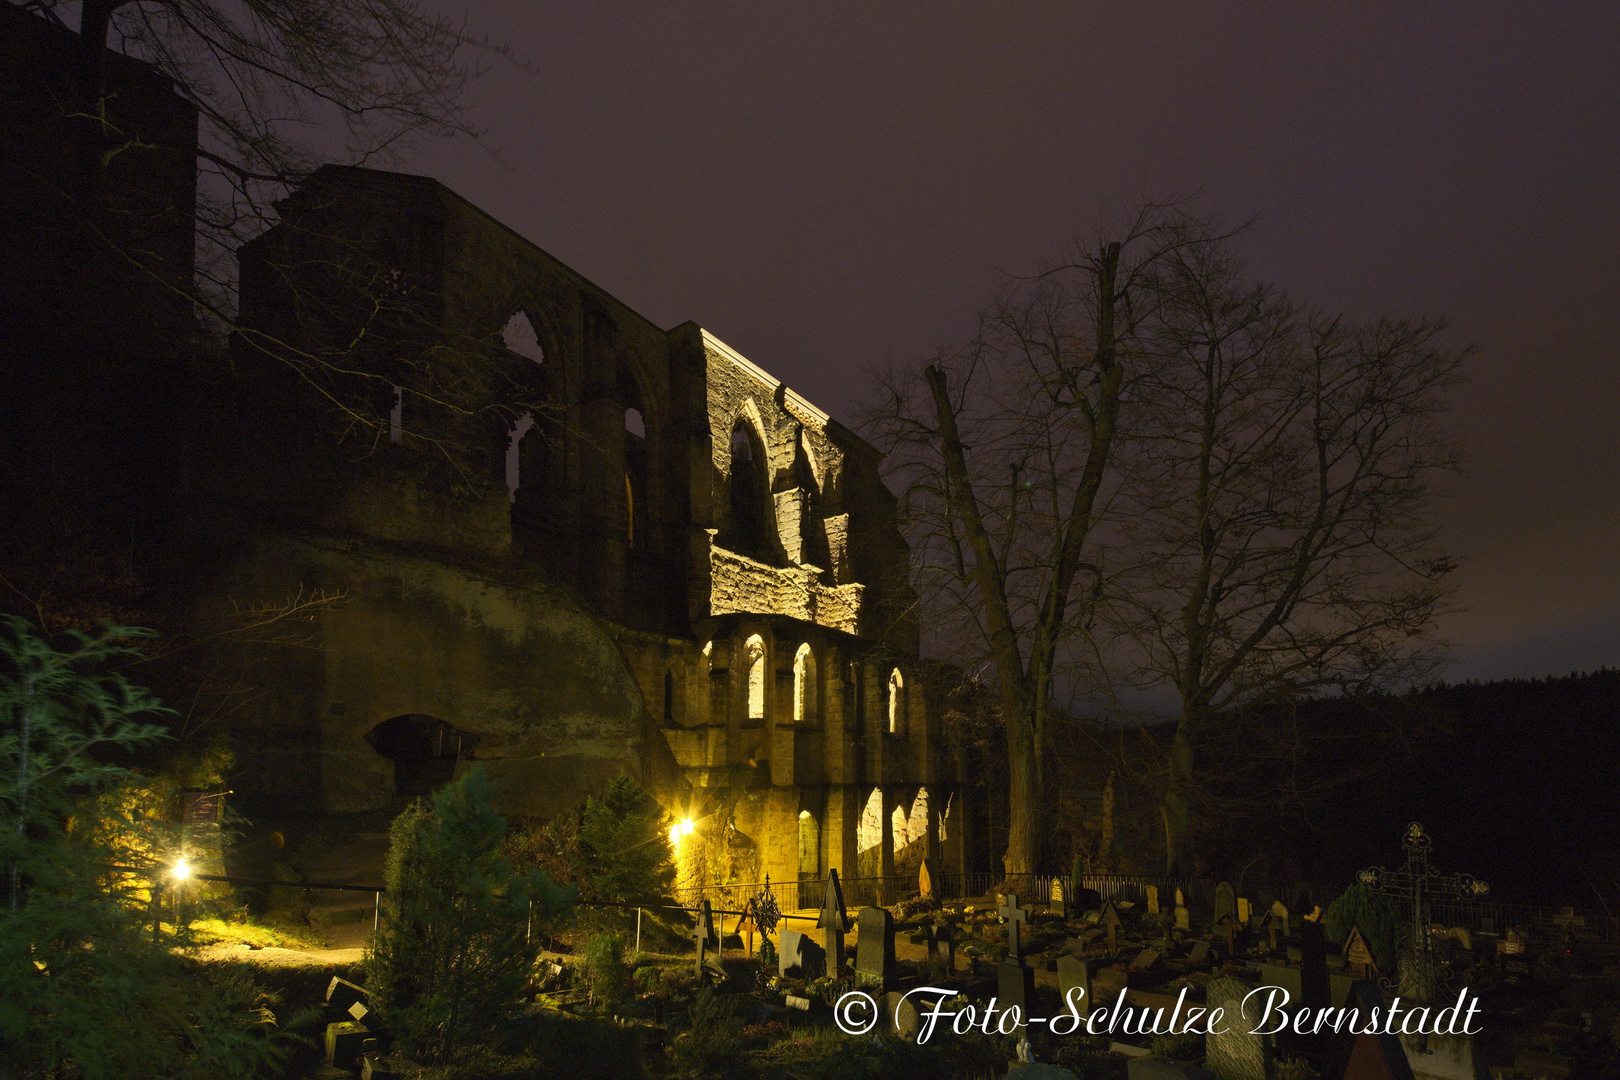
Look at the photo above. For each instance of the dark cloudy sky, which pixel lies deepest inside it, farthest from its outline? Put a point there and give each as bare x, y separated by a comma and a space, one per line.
825, 185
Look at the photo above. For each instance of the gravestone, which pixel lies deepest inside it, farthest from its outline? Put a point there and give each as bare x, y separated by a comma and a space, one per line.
1074, 974
1112, 924
378, 1067
1279, 911
925, 879
344, 1042
942, 944
341, 993
1015, 917
901, 1016
1358, 957
1286, 977
1200, 952
1372, 1056
1225, 900
1015, 987
874, 949
1153, 899
1058, 904
1313, 972
833, 921
1106, 983
1146, 960
1183, 916
799, 957
704, 936
1236, 1053
1245, 910
1227, 927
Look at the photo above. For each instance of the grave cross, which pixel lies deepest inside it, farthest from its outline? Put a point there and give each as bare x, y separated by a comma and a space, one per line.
1112, 923
1417, 882
834, 921
703, 935
1014, 915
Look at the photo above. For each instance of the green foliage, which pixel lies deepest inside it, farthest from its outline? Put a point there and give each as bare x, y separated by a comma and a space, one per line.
454, 953
624, 846
1376, 917
614, 849
77, 964
607, 975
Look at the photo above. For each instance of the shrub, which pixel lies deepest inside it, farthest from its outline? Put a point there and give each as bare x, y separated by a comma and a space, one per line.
1373, 914
606, 973
451, 960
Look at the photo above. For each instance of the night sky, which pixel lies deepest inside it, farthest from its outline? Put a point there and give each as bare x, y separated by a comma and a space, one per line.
825, 186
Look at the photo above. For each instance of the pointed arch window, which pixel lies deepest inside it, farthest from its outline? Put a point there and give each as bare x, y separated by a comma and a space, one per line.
897, 703
806, 703
749, 496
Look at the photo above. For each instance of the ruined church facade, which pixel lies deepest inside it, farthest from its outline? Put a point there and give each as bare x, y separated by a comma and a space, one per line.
565, 544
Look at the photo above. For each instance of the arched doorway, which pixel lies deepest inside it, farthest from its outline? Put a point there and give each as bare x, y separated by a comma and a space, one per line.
424, 750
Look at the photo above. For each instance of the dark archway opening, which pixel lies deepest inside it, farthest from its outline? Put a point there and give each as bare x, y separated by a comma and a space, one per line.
424, 750
750, 499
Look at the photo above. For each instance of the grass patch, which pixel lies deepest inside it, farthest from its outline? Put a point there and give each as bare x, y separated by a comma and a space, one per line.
225, 932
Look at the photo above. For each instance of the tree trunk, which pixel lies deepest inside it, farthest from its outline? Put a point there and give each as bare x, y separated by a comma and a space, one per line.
1176, 807
1023, 796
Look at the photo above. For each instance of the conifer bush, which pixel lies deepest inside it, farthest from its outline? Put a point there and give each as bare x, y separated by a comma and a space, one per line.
456, 947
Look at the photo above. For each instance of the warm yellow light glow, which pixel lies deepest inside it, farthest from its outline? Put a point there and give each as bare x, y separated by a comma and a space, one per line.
680, 829
182, 870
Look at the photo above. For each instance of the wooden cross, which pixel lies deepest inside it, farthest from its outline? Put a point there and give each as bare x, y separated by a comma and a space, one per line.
834, 920
703, 935
1111, 922
1014, 915
1228, 925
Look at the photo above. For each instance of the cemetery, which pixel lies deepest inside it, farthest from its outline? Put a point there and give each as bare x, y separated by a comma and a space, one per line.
1330, 990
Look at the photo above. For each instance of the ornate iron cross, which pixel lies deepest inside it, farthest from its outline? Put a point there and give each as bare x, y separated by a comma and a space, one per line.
1416, 883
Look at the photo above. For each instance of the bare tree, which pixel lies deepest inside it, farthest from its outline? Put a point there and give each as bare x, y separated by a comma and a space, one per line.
1002, 450
1272, 525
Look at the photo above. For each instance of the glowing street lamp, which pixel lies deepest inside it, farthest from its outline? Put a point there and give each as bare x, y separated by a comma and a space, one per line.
681, 829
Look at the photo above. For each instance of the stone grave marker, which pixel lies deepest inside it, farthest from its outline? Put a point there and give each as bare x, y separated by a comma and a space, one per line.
1106, 983
1058, 904
704, 936
1111, 923
1147, 960
1313, 972
1358, 957
1225, 900
1015, 917
1153, 899
1372, 1056
344, 1043
874, 949
341, 993
1200, 952
833, 921
1015, 987
1183, 916
378, 1067
925, 879
1236, 1053
1280, 912
1245, 910
799, 957
1074, 974
901, 1015
1285, 976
